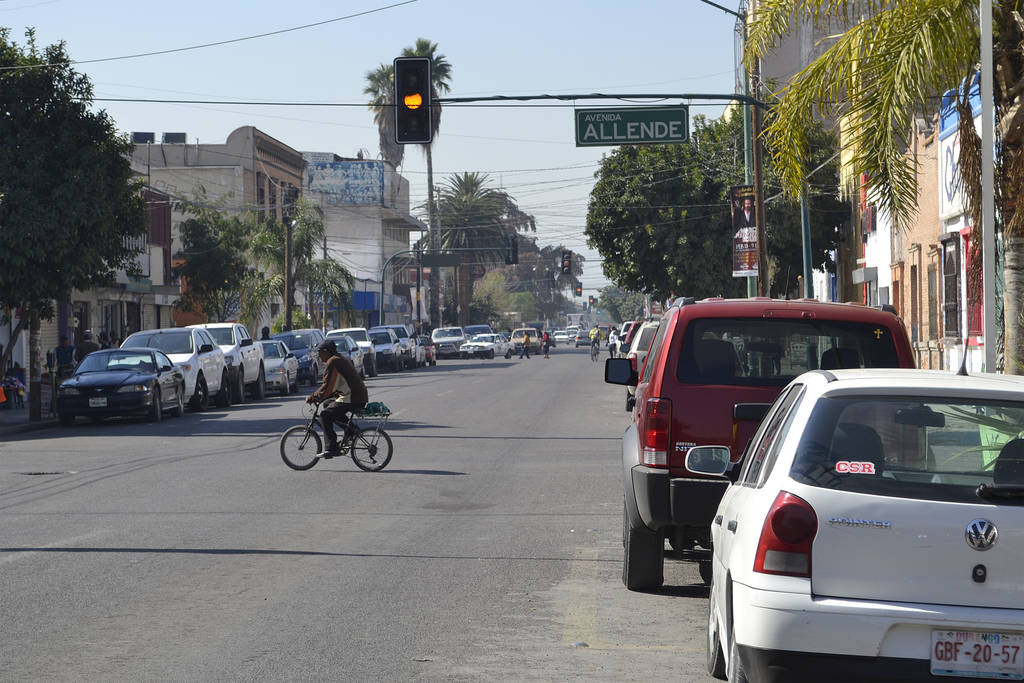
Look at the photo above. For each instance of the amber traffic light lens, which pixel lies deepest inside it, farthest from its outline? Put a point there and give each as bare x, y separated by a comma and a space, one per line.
414, 100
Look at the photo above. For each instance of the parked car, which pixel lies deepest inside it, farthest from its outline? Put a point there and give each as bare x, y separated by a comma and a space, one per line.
582, 338
428, 349
281, 366
872, 532
303, 344
193, 350
125, 381
348, 348
486, 346
419, 352
387, 347
448, 341
473, 330
408, 355
713, 368
361, 337
637, 354
243, 358
519, 334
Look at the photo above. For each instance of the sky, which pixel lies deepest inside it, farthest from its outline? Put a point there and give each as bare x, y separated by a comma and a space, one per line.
526, 47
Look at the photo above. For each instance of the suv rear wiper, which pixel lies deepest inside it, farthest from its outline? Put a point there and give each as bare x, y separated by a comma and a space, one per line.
1000, 492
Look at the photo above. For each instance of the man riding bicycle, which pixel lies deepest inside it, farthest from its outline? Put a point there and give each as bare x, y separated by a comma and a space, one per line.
595, 341
342, 392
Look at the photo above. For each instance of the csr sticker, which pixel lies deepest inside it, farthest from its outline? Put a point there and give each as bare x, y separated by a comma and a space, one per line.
854, 467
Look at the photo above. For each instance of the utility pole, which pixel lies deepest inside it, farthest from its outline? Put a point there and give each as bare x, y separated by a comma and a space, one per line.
762, 228
435, 280
288, 275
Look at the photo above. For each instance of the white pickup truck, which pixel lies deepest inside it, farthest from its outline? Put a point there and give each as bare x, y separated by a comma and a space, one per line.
243, 357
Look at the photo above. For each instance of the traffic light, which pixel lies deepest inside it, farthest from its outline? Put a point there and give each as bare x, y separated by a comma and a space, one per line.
591, 301
412, 101
511, 249
566, 262
579, 290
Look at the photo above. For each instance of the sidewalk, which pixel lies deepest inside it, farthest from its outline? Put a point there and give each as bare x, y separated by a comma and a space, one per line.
15, 421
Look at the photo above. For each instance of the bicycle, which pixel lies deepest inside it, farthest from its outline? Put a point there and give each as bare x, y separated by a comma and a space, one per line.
595, 350
369, 446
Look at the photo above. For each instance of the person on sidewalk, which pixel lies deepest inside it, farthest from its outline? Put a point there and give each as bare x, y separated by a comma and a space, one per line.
86, 347
64, 356
546, 344
342, 393
526, 347
613, 342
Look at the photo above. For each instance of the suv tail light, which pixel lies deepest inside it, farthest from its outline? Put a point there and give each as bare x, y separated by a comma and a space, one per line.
657, 432
785, 544
632, 359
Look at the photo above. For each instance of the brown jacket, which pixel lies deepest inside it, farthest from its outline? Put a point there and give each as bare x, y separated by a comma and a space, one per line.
351, 387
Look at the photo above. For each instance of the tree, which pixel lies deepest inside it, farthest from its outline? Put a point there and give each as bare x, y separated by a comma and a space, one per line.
475, 216
621, 306
214, 259
380, 86
660, 216
69, 203
876, 76
325, 277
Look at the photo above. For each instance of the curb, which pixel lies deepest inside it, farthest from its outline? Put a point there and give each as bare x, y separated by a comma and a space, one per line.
27, 427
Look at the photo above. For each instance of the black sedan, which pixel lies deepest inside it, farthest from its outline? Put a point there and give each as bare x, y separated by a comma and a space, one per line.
122, 382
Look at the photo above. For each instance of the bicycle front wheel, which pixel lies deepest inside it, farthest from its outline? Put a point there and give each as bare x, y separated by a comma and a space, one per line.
371, 449
300, 446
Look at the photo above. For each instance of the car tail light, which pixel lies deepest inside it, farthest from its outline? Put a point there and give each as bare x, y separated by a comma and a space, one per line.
632, 359
657, 432
786, 537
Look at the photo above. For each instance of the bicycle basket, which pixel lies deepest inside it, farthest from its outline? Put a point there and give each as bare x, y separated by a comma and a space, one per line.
374, 409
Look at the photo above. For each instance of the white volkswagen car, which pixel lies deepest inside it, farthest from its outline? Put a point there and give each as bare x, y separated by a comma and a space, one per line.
486, 346
876, 529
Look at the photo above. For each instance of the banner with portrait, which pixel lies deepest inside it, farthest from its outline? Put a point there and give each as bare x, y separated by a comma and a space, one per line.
744, 231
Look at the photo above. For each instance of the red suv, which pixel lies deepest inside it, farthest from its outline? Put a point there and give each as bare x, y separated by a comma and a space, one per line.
714, 368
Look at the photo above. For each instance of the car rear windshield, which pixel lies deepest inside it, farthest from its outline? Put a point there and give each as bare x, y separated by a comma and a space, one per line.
912, 447
358, 335
477, 329
767, 352
179, 341
296, 342
380, 337
222, 335
272, 351
447, 332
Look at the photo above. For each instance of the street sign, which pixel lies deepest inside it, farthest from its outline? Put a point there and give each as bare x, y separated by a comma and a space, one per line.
441, 260
632, 126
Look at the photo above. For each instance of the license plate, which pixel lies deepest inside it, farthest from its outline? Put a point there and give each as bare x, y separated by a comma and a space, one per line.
100, 402
978, 654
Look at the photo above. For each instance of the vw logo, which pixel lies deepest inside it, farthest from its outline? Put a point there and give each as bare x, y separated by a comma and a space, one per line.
981, 534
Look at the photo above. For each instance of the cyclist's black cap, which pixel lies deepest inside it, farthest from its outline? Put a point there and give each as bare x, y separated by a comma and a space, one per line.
328, 345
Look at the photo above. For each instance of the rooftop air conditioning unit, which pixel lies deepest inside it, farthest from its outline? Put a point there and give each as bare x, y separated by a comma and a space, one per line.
143, 138
174, 138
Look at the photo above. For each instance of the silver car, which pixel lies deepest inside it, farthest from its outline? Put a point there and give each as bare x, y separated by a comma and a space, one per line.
280, 366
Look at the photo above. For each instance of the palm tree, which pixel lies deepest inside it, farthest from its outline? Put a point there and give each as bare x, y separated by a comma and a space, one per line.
324, 275
875, 77
380, 86
475, 216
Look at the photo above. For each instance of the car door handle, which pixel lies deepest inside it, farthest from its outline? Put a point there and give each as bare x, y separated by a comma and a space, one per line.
718, 520
731, 526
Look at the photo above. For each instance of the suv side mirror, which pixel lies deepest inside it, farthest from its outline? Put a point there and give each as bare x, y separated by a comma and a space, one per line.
290, 355
245, 342
713, 460
620, 371
206, 348
166, 368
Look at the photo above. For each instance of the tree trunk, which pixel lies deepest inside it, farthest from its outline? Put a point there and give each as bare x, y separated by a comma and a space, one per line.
5, 357
1013, 277
435, 238
35, 369
463, 274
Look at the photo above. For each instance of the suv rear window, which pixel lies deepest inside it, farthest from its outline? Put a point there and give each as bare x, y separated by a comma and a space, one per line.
918, 447
179, 341
222, 335
771, 352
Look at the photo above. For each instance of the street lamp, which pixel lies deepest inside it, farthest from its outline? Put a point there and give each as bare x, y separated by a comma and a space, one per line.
288, 274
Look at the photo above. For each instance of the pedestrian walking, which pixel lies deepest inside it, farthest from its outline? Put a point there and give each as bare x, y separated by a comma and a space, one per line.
64, 355
546, 344
613, 342
86, 347
526, 347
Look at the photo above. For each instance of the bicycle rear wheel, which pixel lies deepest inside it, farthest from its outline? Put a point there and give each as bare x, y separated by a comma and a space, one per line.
300, 446
371, 449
